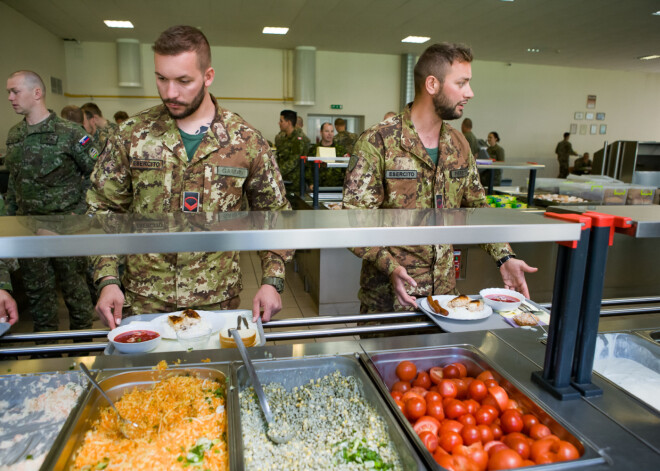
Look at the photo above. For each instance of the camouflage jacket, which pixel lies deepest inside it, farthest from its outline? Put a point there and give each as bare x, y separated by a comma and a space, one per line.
327, 176
48, 164
346, 140
289, 149
6, 265
375, 179
473, 142
144, 169
102, 134
496, 152
564, 149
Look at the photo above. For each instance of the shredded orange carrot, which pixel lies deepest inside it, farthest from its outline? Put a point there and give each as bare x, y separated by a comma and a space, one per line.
174, 418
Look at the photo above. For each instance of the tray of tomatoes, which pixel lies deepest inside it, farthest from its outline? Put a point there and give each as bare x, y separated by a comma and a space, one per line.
464, 415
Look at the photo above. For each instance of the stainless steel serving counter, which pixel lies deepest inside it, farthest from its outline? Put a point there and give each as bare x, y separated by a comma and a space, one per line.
606, 424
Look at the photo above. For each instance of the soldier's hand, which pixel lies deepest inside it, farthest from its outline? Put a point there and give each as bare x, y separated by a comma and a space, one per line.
513, 274
109, 305
267, 302
399, 279
8, 308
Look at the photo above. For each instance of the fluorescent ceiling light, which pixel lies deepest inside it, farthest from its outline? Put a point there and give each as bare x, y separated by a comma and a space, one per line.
118, 24
533, 49
415, 39
648, 58
275, 30
656, 13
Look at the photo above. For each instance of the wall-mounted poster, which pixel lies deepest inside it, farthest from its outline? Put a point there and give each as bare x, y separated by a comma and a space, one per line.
600, 116
603, 128
578, 115
589, 116
573, 128
591, 101
583, 128
594, 129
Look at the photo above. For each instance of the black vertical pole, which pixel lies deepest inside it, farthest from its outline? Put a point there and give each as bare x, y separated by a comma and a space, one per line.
530, 186
491, 180
315, 200
302, 175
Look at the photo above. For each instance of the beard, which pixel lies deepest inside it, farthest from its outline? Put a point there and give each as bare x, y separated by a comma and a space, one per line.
444, 109
190, 108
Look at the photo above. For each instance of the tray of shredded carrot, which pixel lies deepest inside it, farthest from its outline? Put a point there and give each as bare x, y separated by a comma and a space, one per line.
181, 418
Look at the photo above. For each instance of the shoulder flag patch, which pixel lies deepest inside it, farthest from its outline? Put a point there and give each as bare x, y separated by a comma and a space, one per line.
85, 140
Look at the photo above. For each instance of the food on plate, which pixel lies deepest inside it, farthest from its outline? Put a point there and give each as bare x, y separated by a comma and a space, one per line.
189, 321
136, 336
478, 426
459, 301
502, 298
435, 305
525, 318
332, 426
248, 334
181, 422
475, 305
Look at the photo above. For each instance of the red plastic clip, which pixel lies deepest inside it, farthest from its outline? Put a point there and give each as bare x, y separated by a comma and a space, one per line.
624, 225
583, 220
602, 220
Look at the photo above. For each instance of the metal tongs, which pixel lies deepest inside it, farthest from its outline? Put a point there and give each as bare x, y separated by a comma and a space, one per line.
277, 434
524, 308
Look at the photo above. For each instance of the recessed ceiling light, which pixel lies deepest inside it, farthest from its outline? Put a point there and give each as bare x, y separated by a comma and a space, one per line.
648, 58
118, 24
415, 39
533, 49
274, 30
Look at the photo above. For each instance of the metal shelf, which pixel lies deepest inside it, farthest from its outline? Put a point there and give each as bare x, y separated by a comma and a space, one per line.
645, 218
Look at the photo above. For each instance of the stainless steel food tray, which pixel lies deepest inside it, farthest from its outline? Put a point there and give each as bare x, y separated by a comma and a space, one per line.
382, 366
296, 372
115, 383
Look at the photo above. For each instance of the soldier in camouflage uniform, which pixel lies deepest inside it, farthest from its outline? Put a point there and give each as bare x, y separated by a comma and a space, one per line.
186, 155
327, 176
98, 126
564, 150
393, 166
8, 308
291, 142
466, 129
48, 159
344, 138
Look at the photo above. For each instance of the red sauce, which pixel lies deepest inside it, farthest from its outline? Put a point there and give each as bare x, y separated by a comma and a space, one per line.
135, 336
503, 298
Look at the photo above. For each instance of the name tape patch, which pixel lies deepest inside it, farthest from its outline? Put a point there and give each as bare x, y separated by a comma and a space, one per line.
401, 174
459, 173
146, 164
239, 172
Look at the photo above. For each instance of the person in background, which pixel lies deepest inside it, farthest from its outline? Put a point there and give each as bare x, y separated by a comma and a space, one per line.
388, 115
564, 150
344, 138
299, 122
120, 117
291, 143
328, 176
209, 160
8, 307
48, 158
101, 126
582, 165
496, 153
439, 172
73, 113
466, 129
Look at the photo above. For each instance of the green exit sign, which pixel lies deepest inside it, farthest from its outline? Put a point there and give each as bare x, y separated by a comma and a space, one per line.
336, 107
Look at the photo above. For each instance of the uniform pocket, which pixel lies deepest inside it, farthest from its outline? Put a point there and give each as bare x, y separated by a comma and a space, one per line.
223, 188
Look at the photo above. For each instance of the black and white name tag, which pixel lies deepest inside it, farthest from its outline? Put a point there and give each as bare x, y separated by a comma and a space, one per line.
146, 164
403, 174
459, 173
191, 202
238, 172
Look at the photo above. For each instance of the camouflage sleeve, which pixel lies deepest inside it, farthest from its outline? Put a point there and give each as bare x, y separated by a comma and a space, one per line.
6, 267
363, 189
265, 192
10, 198
85, 154
110, 192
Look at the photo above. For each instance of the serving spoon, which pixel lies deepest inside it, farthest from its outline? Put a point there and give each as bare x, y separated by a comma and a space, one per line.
127, 428
277, 432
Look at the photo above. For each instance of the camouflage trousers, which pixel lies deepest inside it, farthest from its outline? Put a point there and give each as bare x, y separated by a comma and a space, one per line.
40, 276
563, 167
136, 304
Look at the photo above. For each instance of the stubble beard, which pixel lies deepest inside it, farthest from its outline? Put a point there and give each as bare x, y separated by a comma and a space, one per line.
190, 108
444, 109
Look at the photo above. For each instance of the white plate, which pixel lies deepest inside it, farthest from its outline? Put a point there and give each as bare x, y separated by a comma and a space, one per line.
460, 314
216, 320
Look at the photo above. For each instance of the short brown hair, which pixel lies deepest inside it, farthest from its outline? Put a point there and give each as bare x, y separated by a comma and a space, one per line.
91, 108
436, 59
72, 113
340, 122
179, 39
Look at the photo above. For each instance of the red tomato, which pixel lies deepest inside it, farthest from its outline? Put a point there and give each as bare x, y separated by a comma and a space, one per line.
451, 371
409, 395
421, 391
493, 446
472, 406
449, 425
430, 441
434, 388
415, 408
511, 421
539, 431
486, 415
504, 459
497, 431
449, 440
500, 396
426, 424
396, 395
467, 419
455, 409
435, 410
436, 374
470, 435
447, 388
486, 374
462, 369
485, 433
474, 453
462, 387
518, 442
528, 421
433, 396
401, 406
513, 404
490, 383
554, 449
406, 371
422, 380
402, 386
477, 390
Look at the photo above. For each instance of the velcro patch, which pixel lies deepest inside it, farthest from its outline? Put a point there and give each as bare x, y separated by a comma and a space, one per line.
459, 173
85, 140
93, 153
239, 172
147, 164
352, 162
190, 201
401, 174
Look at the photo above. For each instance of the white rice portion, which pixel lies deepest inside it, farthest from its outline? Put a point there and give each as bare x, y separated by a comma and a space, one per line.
195, 330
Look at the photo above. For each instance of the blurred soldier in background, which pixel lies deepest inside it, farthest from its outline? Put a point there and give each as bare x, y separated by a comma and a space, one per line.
8, 308
466, 129
73, 113
327, 176
389, 115
344, 138
291, 143
102, 128
564, 150
120, 117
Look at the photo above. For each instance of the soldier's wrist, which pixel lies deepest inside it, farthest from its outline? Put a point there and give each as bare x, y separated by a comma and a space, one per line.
107, 281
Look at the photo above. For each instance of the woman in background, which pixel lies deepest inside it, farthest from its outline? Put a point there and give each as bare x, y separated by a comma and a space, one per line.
495, 152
